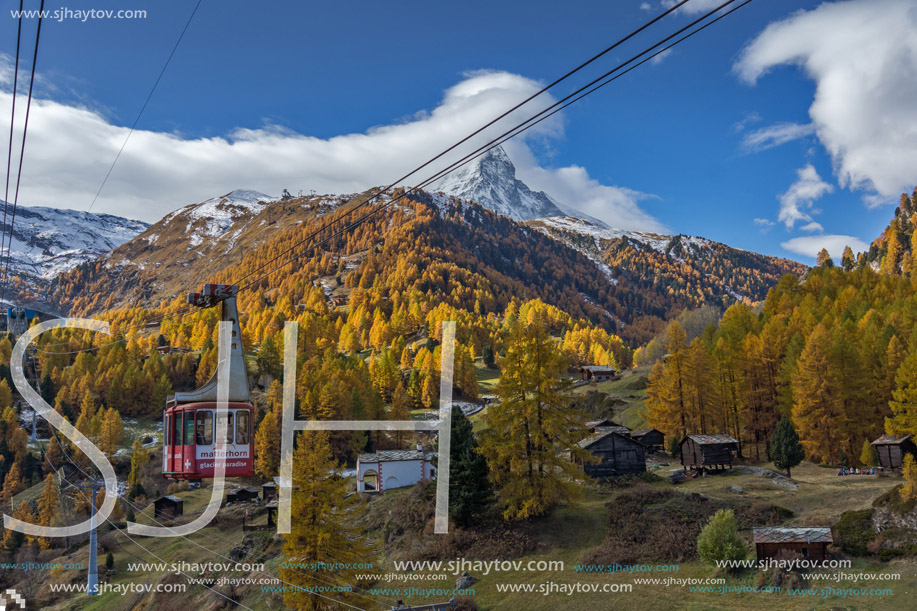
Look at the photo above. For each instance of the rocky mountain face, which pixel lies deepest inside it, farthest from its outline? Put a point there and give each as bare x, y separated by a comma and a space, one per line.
49, 241
635, 279
490, 180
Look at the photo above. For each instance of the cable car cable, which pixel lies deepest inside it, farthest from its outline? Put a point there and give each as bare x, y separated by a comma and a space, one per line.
143, 108
9, 153
25, 131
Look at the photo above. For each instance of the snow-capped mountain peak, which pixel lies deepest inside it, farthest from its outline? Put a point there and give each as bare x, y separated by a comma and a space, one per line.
490, 180
49, 241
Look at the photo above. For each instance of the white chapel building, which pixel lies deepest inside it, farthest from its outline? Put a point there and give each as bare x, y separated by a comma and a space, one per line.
388, 469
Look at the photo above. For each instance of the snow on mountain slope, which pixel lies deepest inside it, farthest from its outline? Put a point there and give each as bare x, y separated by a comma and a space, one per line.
490, 180
48, 241
584, 227
211, 218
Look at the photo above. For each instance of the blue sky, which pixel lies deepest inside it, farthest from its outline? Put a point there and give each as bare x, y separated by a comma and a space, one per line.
323, 90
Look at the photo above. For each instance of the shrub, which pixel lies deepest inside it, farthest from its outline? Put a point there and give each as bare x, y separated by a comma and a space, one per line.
719, 540
854, 532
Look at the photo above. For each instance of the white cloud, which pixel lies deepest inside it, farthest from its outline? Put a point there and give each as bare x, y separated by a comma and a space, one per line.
765, 224
658, 59
775, 135
862, 55
810, 246
752, 117
70, 148
796, 203
813, 227
693, 7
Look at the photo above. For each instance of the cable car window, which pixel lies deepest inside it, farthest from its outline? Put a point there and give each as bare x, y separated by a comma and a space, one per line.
204, 434
166, 430
229, 422
189, 428
242, 424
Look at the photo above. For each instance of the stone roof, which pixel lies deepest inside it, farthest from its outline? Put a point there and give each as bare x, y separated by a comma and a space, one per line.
395, 455
602, 433
642, 432
710, 439
598, 368
818, 534
615, 428
890, 440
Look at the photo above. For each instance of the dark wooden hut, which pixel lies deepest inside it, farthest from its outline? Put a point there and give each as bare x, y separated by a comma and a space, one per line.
592, 425
891, 450
168, 507
268, 491
241, 494
714, 451
618, 454
810, 543
651, 438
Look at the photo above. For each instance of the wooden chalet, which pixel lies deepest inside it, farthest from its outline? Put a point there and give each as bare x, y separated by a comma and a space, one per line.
592, 425
714, 451
891, 450
241, 495
653, 439
168, 507
618, 454
811, 543
605, 426
597, 373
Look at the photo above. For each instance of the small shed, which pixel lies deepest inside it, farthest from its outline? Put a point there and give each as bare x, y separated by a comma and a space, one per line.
597, 373
168, 507
653, 439
714, 451
240, 495
618, 455
891, 450
268, 491
811, 543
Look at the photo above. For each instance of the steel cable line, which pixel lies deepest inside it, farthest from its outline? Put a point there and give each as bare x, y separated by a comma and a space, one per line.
25, 131
143, 108
563, 103
569, 99
9, 153
516, 107
69, 457
153, 554
587, 88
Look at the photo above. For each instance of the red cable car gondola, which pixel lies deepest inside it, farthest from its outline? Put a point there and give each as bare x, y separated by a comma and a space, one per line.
189, 449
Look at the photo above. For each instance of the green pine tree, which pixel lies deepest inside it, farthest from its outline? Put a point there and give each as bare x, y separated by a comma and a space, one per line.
785, 449
470, 491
